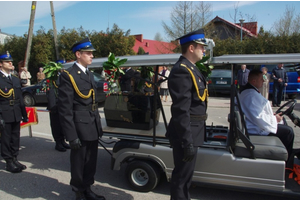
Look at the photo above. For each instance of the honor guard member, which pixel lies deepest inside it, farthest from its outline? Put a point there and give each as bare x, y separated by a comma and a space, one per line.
80, 119
56, 129
186, 130
12, 112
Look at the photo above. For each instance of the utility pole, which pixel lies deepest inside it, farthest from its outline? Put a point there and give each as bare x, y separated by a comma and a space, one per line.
30, 32
54, 30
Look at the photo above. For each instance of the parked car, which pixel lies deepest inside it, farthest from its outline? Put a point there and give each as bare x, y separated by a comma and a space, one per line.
293, 87
37, 93
220, 81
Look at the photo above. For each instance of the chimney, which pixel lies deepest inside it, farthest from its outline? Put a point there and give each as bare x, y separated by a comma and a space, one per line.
139, 37
147, 44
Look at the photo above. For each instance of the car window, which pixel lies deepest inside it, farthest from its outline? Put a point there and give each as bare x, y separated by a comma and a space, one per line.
221, 73
98, 77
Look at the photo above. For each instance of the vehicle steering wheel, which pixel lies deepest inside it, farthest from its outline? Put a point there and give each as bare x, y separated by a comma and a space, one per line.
291, 104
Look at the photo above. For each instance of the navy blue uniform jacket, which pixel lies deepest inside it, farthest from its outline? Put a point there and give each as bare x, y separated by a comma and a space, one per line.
15, 112
82, 124
186, 102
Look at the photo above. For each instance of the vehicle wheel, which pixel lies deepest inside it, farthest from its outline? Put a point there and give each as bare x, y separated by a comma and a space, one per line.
28, 100
143, 176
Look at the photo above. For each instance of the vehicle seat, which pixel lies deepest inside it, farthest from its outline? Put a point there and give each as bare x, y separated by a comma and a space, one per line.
266, 147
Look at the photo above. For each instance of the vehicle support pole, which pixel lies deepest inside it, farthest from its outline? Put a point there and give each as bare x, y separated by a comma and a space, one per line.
154, 107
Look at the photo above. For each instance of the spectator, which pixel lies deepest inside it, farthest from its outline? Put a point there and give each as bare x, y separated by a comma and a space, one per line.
243, 76
164, 85
40, 75
12, 112
14, 72
25, 77
264, 90
280, 81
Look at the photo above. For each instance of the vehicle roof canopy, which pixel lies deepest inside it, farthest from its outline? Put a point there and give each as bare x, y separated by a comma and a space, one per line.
171, 59
253, 59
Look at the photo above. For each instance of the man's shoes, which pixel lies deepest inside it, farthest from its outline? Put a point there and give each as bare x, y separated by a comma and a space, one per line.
11, 167
60, 147
18, 164
274, 105
278, 105
65, 145
80, 196
90, 195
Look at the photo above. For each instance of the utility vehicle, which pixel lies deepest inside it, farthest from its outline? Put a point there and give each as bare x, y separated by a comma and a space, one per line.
230, 158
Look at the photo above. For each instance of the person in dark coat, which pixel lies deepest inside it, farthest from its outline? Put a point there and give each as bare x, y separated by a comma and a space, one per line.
125, 79
280, 78
56, 129
80, 119
12, 112
242, 76
186, 130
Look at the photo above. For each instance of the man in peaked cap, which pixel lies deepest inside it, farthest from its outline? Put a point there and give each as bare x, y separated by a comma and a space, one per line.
12, 111
186, 130
80, 120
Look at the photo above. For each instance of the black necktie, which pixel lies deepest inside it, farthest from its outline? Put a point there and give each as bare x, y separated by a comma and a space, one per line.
9, 77
87, 72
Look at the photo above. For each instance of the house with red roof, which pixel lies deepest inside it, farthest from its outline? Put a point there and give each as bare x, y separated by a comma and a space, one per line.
225, 29
152, 46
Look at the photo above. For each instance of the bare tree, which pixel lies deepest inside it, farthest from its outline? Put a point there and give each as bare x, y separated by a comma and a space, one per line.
204, 12
185, 18
236, 10
288, 24
158, 37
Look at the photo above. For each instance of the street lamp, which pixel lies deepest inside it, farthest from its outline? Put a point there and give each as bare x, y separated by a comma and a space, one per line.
242, 21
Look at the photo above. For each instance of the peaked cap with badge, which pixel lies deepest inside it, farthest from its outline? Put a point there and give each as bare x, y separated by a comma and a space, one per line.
195, 36
5, 56
83, 45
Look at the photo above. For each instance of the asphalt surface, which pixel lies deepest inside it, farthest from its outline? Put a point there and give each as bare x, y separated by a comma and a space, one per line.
47, 175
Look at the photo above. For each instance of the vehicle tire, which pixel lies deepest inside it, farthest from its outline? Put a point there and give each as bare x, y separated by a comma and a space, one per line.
143, 176
28, 100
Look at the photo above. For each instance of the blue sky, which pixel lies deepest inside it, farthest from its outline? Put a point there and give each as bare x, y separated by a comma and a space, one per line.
141, 17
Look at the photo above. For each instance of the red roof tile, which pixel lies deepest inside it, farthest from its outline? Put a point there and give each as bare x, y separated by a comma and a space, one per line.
152, 46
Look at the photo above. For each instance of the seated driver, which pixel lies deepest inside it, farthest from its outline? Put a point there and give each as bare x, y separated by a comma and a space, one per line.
260, 119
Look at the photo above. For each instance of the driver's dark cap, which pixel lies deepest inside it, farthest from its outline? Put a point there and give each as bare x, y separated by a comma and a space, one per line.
83, 45
5, 56
195, 36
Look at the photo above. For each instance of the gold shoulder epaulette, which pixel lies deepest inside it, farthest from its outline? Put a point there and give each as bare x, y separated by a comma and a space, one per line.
183, 65
14, 75
78, 91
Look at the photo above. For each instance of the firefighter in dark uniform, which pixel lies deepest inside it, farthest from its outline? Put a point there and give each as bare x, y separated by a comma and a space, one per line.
12, 112
59, 138
186, 130
80, 119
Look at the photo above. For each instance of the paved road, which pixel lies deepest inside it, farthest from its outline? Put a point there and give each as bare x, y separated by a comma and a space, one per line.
47, 176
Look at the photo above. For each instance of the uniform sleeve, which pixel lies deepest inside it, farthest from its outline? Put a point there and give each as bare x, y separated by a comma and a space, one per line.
65, 107
180, 85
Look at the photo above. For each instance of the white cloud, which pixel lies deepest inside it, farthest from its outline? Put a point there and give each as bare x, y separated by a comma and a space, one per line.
17, 13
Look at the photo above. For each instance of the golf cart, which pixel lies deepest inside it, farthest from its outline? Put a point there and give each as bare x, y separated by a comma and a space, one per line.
229, 158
